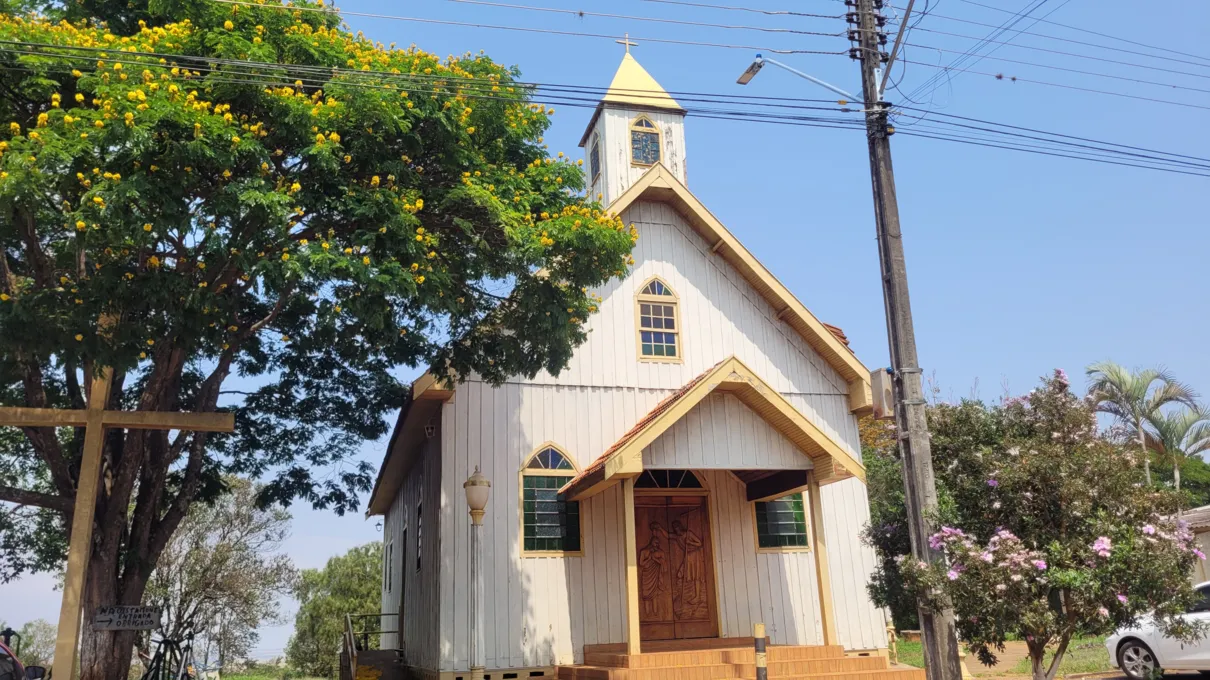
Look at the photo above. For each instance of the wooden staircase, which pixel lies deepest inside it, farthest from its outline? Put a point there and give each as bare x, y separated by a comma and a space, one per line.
729, 659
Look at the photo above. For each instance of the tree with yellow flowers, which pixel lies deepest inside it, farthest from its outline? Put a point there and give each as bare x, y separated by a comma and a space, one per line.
252, 190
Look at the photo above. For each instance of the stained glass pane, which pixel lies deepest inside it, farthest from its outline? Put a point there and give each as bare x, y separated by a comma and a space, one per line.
782, 522
644, 123
644, 147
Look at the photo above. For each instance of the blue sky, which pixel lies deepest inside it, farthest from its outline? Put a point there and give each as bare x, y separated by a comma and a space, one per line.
1018, 263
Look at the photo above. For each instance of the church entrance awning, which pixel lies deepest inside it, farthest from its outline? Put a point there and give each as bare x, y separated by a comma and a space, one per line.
624, 459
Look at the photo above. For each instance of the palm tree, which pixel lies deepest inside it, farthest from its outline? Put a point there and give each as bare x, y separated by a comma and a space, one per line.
1129, 397
1179, 435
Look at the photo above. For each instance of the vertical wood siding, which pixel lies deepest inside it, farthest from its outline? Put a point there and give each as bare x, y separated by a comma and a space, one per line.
721, 433
617, 172
777, 589
542, 610
414, 593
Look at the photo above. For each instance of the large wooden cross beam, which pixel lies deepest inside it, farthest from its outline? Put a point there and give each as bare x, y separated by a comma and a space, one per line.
95, 419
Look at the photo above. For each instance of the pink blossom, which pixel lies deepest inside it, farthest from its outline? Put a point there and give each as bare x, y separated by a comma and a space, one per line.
1000, 587
1148, 529
1061, 376
1121, 598
1040, 565
1103, 612
1102, 546
987, 557
951, 575
1199, 554
993, 483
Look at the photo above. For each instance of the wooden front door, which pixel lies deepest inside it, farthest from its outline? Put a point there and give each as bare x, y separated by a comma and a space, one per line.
676, 568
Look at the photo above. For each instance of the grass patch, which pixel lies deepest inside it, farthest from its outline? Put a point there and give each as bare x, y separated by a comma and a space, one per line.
911, 653
1084, 655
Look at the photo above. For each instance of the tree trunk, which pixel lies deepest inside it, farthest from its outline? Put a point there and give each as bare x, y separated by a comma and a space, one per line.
106, 655
1036, 665
1143, 447
1176, 478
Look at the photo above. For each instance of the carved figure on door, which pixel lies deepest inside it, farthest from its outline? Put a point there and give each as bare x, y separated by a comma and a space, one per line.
691, 576
651, 570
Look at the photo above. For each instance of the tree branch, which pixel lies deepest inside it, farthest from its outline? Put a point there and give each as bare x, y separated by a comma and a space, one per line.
41, 500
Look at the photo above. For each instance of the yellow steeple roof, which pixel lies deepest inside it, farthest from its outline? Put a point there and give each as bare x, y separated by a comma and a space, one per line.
633, 85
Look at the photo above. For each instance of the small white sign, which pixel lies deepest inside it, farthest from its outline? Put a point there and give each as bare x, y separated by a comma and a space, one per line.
117, 617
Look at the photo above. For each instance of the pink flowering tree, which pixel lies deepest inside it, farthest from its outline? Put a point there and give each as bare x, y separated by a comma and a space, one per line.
1051, 535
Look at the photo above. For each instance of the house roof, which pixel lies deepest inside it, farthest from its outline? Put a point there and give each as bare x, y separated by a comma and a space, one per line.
423, 405
660, 184
1198, 518
624, 458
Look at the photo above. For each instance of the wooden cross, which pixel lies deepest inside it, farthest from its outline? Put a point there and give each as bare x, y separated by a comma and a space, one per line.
95, 419
626, 41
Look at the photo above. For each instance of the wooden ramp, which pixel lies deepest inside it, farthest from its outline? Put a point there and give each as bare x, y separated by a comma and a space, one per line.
728, 659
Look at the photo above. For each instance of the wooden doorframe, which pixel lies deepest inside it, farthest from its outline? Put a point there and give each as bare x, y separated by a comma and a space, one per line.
705, 494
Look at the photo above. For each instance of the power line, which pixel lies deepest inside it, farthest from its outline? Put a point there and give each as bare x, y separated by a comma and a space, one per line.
527, 29
934, 81
582, 13
1062, 39
770, 12
1096, 33
1075, 70
324, 76
1001, 76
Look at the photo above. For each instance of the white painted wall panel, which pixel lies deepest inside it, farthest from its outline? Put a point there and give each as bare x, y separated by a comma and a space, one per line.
846, 511
413, 595
778, 589
618, 173
743, 442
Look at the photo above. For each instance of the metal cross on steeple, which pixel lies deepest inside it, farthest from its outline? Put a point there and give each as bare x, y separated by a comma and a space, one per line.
626, 41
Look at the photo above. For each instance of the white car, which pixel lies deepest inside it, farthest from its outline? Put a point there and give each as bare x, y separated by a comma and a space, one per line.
1141, 652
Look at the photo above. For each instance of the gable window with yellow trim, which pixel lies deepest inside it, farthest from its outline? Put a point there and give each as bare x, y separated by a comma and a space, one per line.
548, 525
781, 523
644, 142
659, 323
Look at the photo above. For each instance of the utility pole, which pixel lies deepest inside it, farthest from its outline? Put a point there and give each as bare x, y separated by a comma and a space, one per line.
937, 628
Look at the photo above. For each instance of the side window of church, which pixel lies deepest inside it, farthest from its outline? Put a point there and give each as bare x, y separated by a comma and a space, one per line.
594, 159
659, 325
782, 523
644, 142
548, 524
388, 565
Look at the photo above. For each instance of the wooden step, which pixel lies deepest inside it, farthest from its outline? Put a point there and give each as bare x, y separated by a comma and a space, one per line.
703, 657
728, 672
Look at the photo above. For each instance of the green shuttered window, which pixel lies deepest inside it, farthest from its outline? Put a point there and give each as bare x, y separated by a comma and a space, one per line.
782, 523
548, 524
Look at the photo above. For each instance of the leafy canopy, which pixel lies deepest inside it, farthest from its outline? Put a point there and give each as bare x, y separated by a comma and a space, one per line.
348, 584
1051, 533
255, 189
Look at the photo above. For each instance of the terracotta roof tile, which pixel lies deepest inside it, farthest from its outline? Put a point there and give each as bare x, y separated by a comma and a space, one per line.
646, 420
837, 331
1198, 518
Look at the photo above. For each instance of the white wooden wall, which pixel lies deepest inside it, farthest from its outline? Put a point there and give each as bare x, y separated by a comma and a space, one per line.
617, 171
414, 593
541, 611
721, 433
777, 589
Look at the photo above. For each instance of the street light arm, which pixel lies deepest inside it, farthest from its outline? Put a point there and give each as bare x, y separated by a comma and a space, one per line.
811, 78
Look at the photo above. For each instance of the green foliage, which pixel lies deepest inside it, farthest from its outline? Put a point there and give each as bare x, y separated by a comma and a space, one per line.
34, 643
1053, 535
348, 584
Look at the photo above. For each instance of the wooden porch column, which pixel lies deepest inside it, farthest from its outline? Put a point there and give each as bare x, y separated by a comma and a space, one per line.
633, 645
823, 577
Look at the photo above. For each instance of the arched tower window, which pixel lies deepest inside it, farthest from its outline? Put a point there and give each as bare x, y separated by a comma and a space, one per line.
659, 323
644, 141
594, 159
548, 525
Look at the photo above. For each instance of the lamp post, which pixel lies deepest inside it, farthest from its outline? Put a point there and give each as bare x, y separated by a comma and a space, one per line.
760, 61
477, 489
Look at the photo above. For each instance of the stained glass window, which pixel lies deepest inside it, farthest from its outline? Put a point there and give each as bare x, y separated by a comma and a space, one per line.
644, 142
548, 524
782, 523
659, 328
594, 159
667, 479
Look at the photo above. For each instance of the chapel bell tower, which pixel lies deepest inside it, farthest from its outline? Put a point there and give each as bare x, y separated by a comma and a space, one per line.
635, 125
